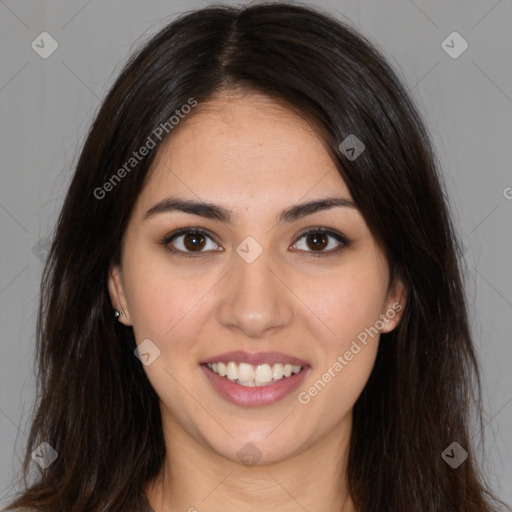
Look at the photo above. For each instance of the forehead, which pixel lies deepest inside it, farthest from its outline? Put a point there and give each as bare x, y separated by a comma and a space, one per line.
241, 149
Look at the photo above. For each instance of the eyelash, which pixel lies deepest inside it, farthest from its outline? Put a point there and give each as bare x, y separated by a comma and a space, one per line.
167, 239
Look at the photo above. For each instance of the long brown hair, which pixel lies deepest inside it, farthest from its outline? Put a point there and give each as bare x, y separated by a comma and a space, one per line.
96, 407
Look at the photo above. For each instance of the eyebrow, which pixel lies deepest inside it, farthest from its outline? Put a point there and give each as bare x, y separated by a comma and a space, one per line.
216, 212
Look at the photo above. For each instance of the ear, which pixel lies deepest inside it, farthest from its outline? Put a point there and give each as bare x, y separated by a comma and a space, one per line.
116, 292
394, 305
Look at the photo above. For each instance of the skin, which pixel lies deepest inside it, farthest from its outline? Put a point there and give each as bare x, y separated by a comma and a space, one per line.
287, 300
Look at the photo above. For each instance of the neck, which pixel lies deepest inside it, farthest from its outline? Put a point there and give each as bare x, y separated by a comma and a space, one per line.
196, 478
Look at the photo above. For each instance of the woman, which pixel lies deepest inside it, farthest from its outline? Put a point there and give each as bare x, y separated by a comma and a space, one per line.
253, 299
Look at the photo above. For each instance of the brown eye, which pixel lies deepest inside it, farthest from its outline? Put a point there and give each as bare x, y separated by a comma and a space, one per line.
194, 241
190, 242
317, 241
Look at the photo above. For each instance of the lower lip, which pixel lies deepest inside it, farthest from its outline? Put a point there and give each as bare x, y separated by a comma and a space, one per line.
257, 395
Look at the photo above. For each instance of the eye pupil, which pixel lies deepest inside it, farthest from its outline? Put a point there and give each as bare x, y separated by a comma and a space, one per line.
319, 240
194, 241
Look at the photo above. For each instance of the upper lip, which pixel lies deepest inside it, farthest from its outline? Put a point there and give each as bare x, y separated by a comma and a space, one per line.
255, 358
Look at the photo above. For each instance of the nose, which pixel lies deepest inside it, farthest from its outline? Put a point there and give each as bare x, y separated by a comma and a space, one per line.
255, 300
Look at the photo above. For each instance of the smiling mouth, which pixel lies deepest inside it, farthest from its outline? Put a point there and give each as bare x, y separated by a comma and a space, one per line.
249, 375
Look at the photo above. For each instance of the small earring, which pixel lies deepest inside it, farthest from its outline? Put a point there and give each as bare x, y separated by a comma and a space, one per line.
117, 314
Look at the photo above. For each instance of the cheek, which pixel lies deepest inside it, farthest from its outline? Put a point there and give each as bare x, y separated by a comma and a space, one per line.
330, 396
165, 305
346, 302
347, 343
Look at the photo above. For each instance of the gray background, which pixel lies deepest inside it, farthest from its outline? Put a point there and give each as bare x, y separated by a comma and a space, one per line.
47, 105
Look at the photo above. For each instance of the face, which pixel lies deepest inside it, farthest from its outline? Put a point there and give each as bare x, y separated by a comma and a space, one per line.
253, 284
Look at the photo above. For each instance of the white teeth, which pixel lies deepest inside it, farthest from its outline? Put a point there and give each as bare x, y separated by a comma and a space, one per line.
277, 371
221, 369
249, 384
232, 371
263, 375
245, 372
247, 375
